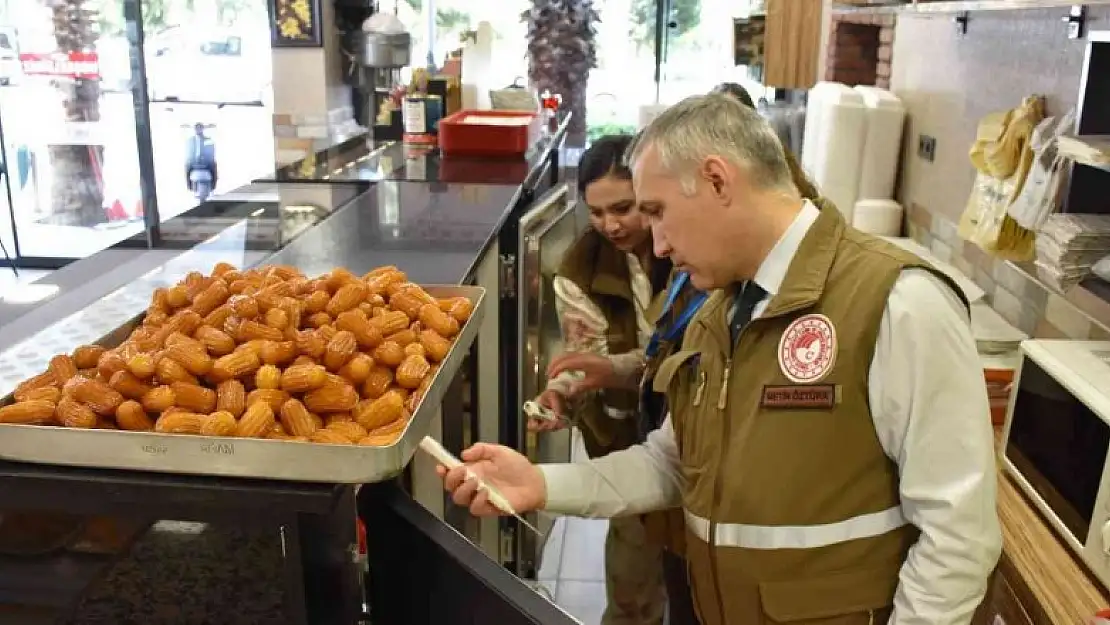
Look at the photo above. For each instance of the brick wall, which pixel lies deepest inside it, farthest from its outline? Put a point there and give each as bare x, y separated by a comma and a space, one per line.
860, 49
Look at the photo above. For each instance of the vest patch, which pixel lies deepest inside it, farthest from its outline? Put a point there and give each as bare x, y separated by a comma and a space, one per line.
807, 349
810, 396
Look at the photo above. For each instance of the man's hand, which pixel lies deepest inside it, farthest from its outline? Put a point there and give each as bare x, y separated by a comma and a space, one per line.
520, 481
597, 371
555, 402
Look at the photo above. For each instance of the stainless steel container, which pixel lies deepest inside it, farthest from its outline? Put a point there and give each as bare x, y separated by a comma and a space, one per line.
243, 457
386, 50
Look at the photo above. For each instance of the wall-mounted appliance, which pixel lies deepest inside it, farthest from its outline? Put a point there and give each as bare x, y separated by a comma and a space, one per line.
1057, 439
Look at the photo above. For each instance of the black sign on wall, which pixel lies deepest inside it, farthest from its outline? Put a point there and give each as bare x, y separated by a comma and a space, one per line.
296, 24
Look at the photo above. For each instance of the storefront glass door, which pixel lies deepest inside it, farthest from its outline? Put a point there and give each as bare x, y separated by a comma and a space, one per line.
69, 129
653, 53
208, 66
625, 77
698, 48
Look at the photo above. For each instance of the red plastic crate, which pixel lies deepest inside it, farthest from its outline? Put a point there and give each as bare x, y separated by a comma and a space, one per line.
461, 139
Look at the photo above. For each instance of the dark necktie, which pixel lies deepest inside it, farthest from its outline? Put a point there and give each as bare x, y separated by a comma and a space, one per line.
744, 304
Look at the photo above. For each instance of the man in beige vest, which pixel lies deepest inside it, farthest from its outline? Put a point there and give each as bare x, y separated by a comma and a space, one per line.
829, 438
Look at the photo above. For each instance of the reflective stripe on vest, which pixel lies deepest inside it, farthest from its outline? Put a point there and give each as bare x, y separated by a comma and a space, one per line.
796, 536
617, 413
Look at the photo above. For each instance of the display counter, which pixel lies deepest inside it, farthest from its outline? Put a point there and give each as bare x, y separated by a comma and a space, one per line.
262, 551
542, 223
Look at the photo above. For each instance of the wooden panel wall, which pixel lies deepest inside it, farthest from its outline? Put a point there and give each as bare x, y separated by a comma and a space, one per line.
792, 40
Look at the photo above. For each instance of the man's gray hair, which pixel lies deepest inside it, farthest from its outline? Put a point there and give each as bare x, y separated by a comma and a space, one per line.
714, 124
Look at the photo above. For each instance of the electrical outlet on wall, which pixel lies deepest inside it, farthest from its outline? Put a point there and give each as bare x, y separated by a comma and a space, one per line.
926, 147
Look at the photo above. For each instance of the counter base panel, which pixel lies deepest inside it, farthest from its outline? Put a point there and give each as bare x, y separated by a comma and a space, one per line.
260, 538
423, 572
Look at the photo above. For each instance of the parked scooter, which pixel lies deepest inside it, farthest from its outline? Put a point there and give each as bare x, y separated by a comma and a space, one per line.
200, 162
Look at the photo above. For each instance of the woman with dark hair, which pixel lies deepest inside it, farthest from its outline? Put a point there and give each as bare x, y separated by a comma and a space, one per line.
736, 91
603, 289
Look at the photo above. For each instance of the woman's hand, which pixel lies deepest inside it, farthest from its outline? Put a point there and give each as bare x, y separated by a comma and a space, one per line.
505, 469
597, 371
555, 402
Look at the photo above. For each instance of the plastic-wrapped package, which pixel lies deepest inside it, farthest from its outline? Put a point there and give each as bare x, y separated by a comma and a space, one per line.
1078, 230
1069, 245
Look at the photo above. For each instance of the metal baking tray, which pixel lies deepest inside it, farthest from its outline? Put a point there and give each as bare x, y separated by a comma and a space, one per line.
240, 457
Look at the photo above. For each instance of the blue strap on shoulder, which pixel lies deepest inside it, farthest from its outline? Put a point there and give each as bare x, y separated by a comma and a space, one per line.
683, 320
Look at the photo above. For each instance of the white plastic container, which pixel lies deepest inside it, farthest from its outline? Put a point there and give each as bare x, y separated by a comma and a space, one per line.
813, 120
477, 64
886, 118
878, 217
833, 143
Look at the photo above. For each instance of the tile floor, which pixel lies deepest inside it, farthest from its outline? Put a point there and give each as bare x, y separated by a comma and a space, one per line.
573, 567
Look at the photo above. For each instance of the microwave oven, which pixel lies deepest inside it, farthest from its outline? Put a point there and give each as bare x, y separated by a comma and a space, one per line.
1056, 441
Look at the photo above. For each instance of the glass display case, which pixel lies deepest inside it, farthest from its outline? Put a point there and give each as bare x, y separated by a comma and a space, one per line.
127, 545
547, 231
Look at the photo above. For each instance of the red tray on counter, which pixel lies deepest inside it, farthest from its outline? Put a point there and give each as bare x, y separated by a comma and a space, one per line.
458, 138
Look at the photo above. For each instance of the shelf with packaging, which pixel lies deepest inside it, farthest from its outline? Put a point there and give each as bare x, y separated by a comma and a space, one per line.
952, 6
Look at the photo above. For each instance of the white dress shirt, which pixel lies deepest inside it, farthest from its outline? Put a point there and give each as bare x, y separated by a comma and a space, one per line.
929, 403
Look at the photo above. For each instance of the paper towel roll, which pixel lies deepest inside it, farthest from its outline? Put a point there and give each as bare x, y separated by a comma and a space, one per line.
879, 217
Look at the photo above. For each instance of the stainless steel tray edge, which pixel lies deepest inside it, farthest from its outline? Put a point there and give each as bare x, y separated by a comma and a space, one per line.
245, 458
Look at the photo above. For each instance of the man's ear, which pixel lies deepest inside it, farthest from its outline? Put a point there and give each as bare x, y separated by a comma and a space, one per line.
718, 179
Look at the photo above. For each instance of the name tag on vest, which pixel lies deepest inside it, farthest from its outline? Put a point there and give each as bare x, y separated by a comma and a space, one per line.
800, 397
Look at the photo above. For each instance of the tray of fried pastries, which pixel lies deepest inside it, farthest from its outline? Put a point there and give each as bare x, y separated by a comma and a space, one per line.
262, 373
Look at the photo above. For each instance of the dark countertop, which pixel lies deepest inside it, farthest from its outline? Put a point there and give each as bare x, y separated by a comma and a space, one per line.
363, 160
264, 219
432, 225
435, 233
245, 226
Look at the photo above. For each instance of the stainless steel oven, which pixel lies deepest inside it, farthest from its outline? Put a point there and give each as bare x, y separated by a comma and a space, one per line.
546, 232
1057, 441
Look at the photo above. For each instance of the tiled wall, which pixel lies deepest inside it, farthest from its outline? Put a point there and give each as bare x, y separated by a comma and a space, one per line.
947, 81
1014, 290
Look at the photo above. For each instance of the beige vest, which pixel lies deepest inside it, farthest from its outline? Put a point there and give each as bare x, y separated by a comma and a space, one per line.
792, 507
666, 527
601, 271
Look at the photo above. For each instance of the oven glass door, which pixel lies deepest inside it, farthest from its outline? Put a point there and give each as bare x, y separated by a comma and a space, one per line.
546, 232
1059, 446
